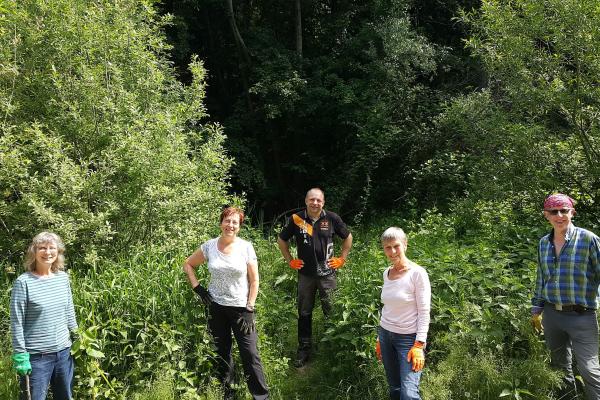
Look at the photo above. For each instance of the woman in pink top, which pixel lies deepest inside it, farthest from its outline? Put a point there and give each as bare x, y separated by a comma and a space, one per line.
402, 334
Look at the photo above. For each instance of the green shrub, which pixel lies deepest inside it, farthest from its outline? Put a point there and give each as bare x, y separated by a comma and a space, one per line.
98, 140
138, 318
470, 373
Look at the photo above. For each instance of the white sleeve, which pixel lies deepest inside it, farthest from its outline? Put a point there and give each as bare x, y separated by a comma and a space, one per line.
250, 253
423, 299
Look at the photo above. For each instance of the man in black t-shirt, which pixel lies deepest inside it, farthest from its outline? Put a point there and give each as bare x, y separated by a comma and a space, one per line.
313, 229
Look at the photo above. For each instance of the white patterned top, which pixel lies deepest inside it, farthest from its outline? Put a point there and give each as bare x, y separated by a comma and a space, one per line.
229, 272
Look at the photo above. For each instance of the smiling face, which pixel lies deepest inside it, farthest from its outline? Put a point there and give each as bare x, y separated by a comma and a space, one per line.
230, 225
394, 250
315, 200
559, 217
45, 255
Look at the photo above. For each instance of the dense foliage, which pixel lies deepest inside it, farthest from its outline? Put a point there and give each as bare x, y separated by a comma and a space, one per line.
534, 128
98, 141
348, 107
105, 138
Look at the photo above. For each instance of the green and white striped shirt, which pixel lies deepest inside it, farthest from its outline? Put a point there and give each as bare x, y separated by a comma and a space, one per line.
41, 313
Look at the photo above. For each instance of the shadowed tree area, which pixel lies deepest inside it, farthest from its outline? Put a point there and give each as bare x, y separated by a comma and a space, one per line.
349, 107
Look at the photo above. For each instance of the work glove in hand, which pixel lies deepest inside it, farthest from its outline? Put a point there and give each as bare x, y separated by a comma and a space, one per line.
246, 321
21, 363
416, 355
336, 262
536, 322
203, 294
296, 263
378, 350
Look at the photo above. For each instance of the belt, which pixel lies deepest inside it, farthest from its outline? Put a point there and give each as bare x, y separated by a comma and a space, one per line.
578, 308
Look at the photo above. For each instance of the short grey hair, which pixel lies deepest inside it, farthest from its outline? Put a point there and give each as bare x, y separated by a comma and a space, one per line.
394, 233
317, 189
43, 238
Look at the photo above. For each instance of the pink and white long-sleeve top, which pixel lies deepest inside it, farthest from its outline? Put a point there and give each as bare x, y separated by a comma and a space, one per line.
407, 302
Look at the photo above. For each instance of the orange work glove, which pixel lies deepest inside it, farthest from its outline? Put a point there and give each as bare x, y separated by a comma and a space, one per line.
416, 355
536, 322
336, 262
296, 263
378, 349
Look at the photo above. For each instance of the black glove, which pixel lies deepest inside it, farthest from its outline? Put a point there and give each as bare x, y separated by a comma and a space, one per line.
203, 294
246, 321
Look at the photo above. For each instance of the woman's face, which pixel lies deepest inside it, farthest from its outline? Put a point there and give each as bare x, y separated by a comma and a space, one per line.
45, 254
394, 250
230, 226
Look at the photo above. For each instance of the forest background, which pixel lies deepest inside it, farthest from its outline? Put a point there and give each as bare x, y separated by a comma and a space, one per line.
125, 127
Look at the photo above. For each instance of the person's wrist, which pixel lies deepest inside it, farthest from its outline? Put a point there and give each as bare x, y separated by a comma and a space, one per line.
250, 307
536, 310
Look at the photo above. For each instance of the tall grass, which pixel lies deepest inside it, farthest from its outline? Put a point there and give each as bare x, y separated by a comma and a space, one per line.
143, 333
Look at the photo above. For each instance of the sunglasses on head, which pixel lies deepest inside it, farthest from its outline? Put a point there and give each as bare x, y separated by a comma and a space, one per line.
563, 211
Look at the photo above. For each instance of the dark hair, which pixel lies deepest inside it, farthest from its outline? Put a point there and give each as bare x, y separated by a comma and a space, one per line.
230, 211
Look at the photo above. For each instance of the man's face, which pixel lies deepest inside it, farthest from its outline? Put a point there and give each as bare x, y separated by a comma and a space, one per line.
314, 202
559, 217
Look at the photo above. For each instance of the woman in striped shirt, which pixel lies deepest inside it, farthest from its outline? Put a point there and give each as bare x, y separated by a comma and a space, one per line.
41, 317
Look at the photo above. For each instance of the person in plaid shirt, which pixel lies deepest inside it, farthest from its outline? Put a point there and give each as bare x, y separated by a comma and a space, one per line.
566, 294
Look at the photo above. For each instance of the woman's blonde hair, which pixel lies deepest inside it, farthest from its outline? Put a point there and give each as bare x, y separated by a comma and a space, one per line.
42, 238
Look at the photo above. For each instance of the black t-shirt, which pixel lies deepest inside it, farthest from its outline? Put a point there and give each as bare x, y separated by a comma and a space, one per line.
314, 241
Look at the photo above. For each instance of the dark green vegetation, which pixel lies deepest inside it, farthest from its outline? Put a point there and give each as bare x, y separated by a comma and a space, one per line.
458, 116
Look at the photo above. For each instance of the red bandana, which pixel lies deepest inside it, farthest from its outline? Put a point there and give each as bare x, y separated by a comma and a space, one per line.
559, 200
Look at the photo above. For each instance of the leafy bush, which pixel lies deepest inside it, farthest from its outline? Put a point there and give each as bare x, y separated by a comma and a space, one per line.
98, 140
138, 318
467, 373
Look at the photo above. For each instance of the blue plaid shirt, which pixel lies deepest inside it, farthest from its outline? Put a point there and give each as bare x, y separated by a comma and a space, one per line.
574, 276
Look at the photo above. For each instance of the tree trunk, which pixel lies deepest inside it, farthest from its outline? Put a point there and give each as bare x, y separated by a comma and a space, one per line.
299, 28
242, 51
236, 33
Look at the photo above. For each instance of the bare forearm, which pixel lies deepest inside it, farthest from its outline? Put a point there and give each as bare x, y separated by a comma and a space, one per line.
346, 246
252, 283
190, 274
252, 293
284, 247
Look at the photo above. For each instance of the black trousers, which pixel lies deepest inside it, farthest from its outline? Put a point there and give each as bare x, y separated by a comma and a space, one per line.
222, 321
308, 287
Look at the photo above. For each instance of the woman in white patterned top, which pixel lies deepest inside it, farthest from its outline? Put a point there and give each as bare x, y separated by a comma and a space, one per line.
41, 318
230, 299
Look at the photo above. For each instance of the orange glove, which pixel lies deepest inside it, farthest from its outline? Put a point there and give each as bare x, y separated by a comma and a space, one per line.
416, 355
378, 350
336, 262
296, 263
536, 322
